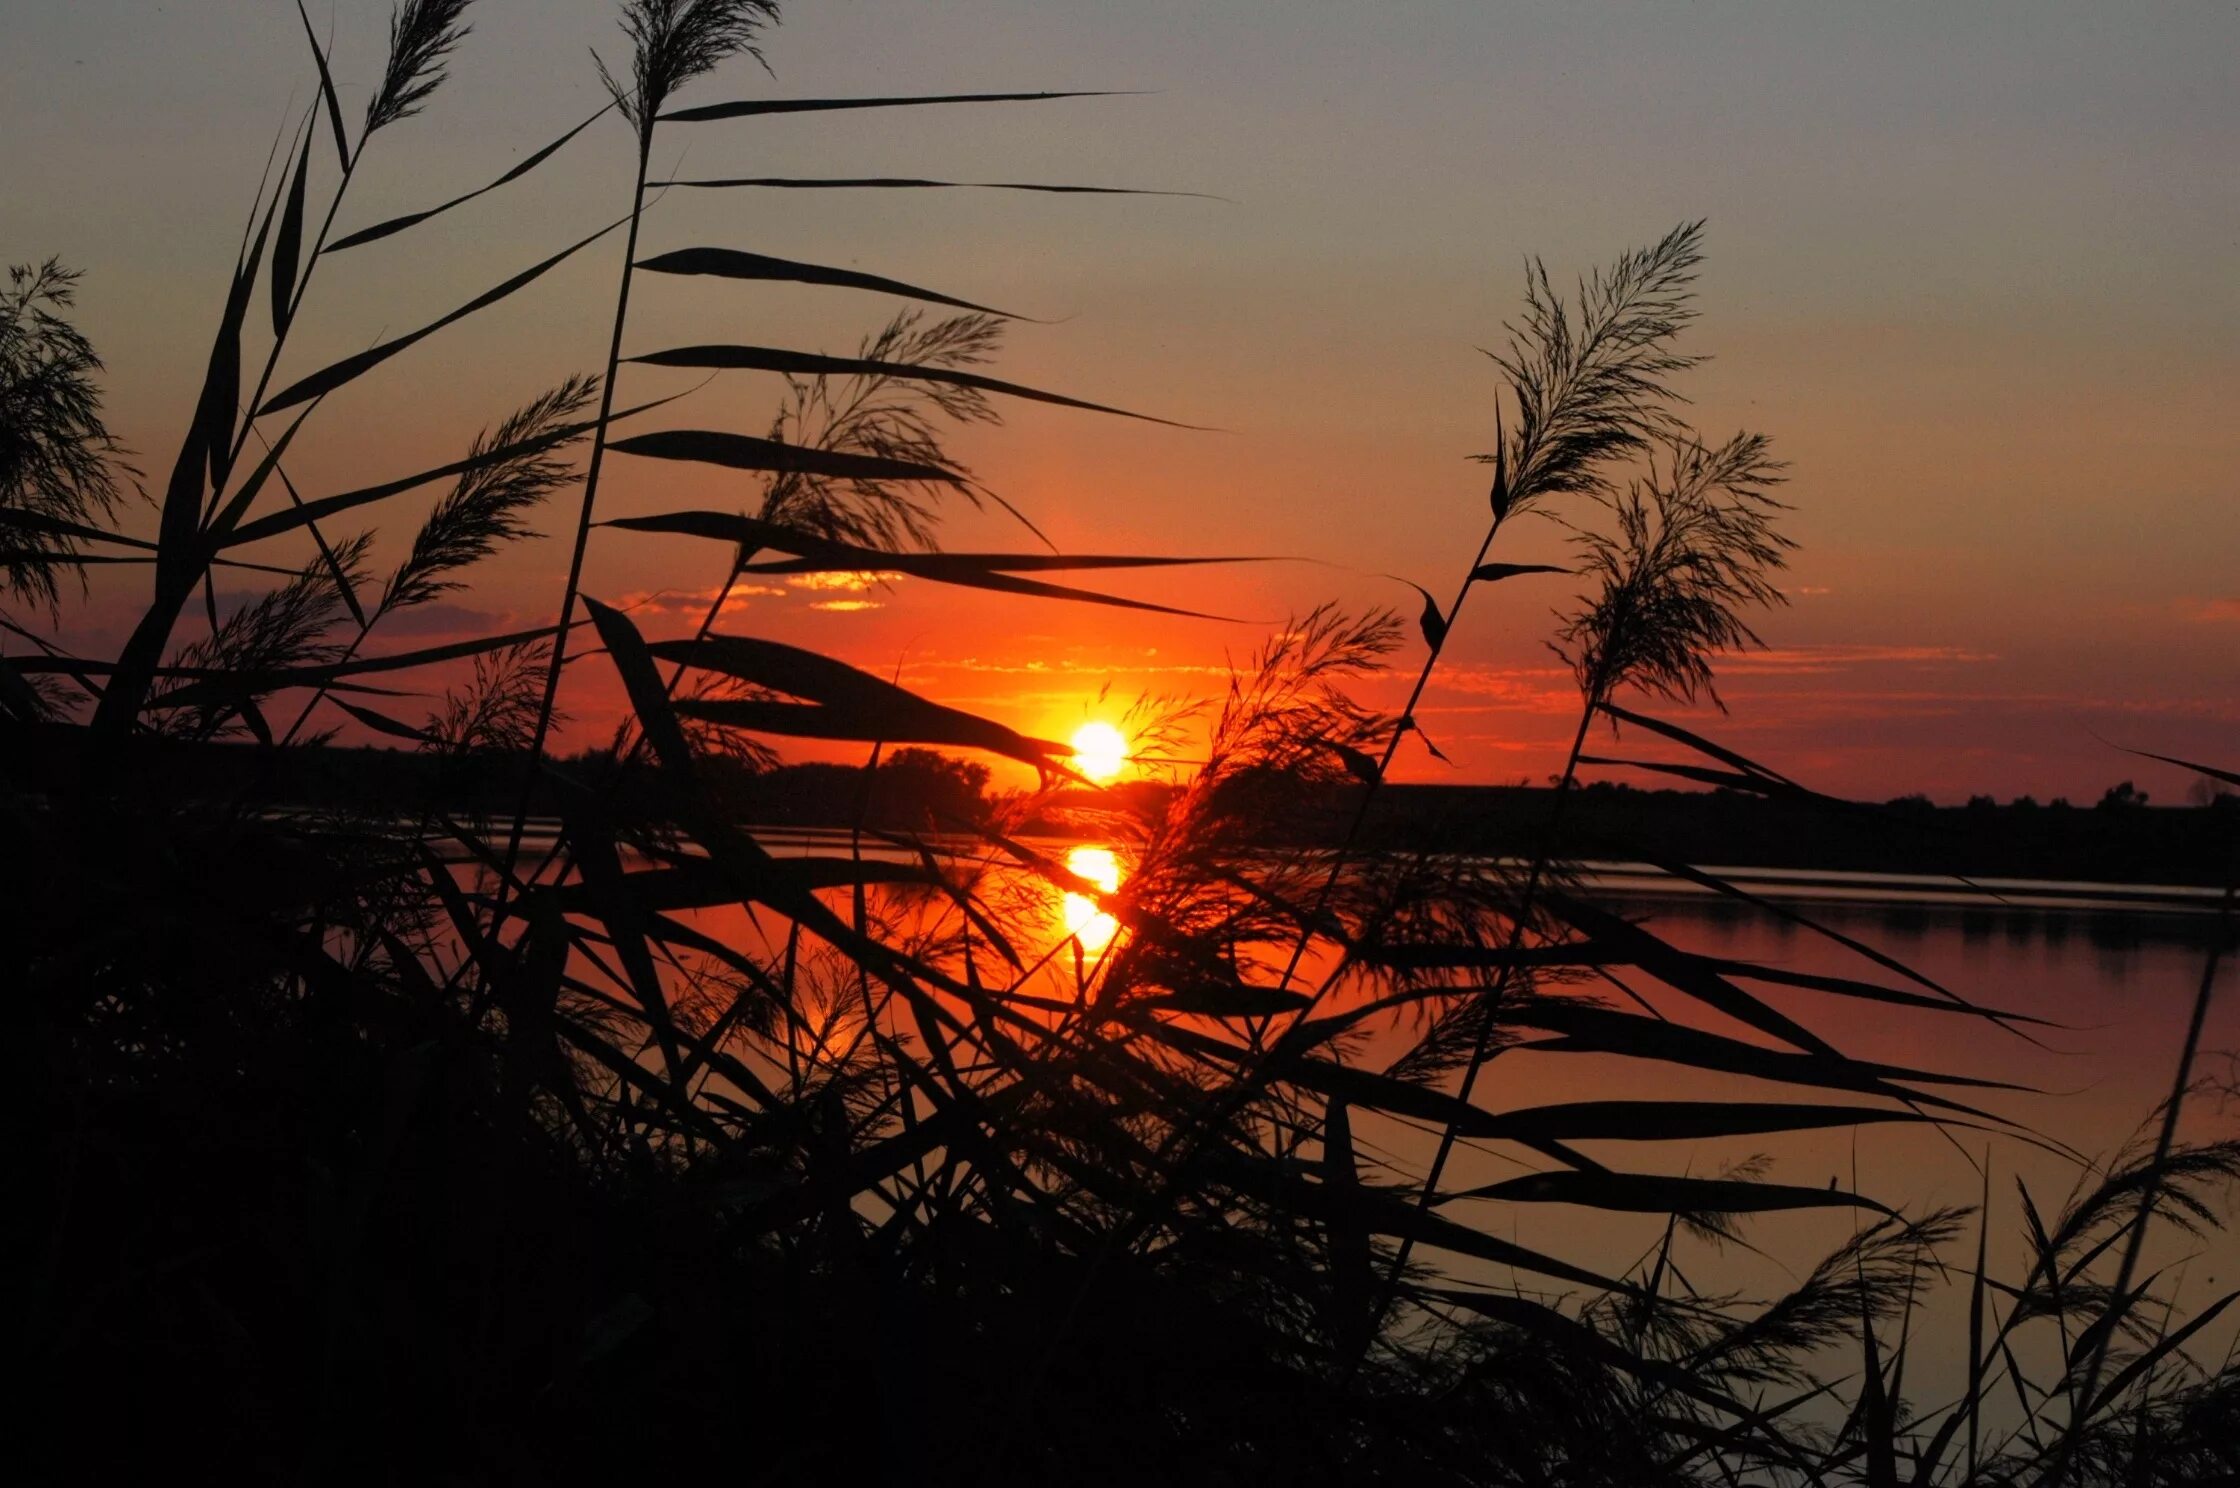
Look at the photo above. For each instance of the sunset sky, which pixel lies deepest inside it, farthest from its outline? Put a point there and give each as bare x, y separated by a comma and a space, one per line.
1971, 267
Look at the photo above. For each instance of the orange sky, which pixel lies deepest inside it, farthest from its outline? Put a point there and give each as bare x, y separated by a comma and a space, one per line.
1969, 266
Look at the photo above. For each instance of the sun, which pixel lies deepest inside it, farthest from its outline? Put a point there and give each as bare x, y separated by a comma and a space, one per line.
1100, 751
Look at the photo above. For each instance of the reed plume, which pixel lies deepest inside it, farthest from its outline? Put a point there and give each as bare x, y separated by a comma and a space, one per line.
59, 464
888, 417
422, 36
1690, 551
674, 41
490, 503
1592, 374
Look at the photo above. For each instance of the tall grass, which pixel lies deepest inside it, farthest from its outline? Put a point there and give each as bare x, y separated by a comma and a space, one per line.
371, 1143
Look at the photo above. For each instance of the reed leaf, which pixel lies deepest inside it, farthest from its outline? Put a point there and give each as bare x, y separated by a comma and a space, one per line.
287, 250
811, 364
918, 183
991, 571
326, 90
393, 225
1678, 1121
280, 523
1654, 1193
747, 108
350, 368
849, 704
1493, 573
746, 452
732, 263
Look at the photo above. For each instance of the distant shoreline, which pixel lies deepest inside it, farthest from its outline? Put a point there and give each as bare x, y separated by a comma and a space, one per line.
2185, 847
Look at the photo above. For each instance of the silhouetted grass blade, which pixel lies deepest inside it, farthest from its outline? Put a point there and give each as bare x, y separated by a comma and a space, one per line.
1729, 890
327, 379
1360, 766
1871, 991
381, 722
1582, 1028
1431, 622
1350, 1255
733, 263
221, 392
2125, 1377
1678, 1121
1654, 1193
247, 495
62, 527
1734, 780
811, 364
826, 555
648, 698
253, 716
1568, 1334
1968, 1411
1409, 725
326, 506
971, 570
56, 557
1384, 1215
287, 250
916, 183
335, 567
842, 702
934, 725
2229, 777
1229, 1000
696, 884
1684, 973
395, 225
1493, 573
747, 452
18, 699
752, 106
203, 684
599, 863
326, 90
1695, 741
1875, 1418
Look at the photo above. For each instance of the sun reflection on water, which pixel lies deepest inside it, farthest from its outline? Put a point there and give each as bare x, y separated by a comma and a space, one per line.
1092, 927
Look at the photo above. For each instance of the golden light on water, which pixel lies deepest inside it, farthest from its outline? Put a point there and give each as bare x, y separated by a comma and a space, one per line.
1084, 921
1100, 751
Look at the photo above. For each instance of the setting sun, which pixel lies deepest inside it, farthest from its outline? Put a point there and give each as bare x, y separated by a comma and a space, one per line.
1100, 751
1084, 921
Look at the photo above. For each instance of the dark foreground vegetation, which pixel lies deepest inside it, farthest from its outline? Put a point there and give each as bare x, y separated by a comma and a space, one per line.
385, 1142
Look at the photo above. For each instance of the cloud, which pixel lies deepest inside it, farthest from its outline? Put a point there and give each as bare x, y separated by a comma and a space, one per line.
847, 606
1815, 660
1087, 668
857, 582
1535, 689
694, 601
2214, 610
